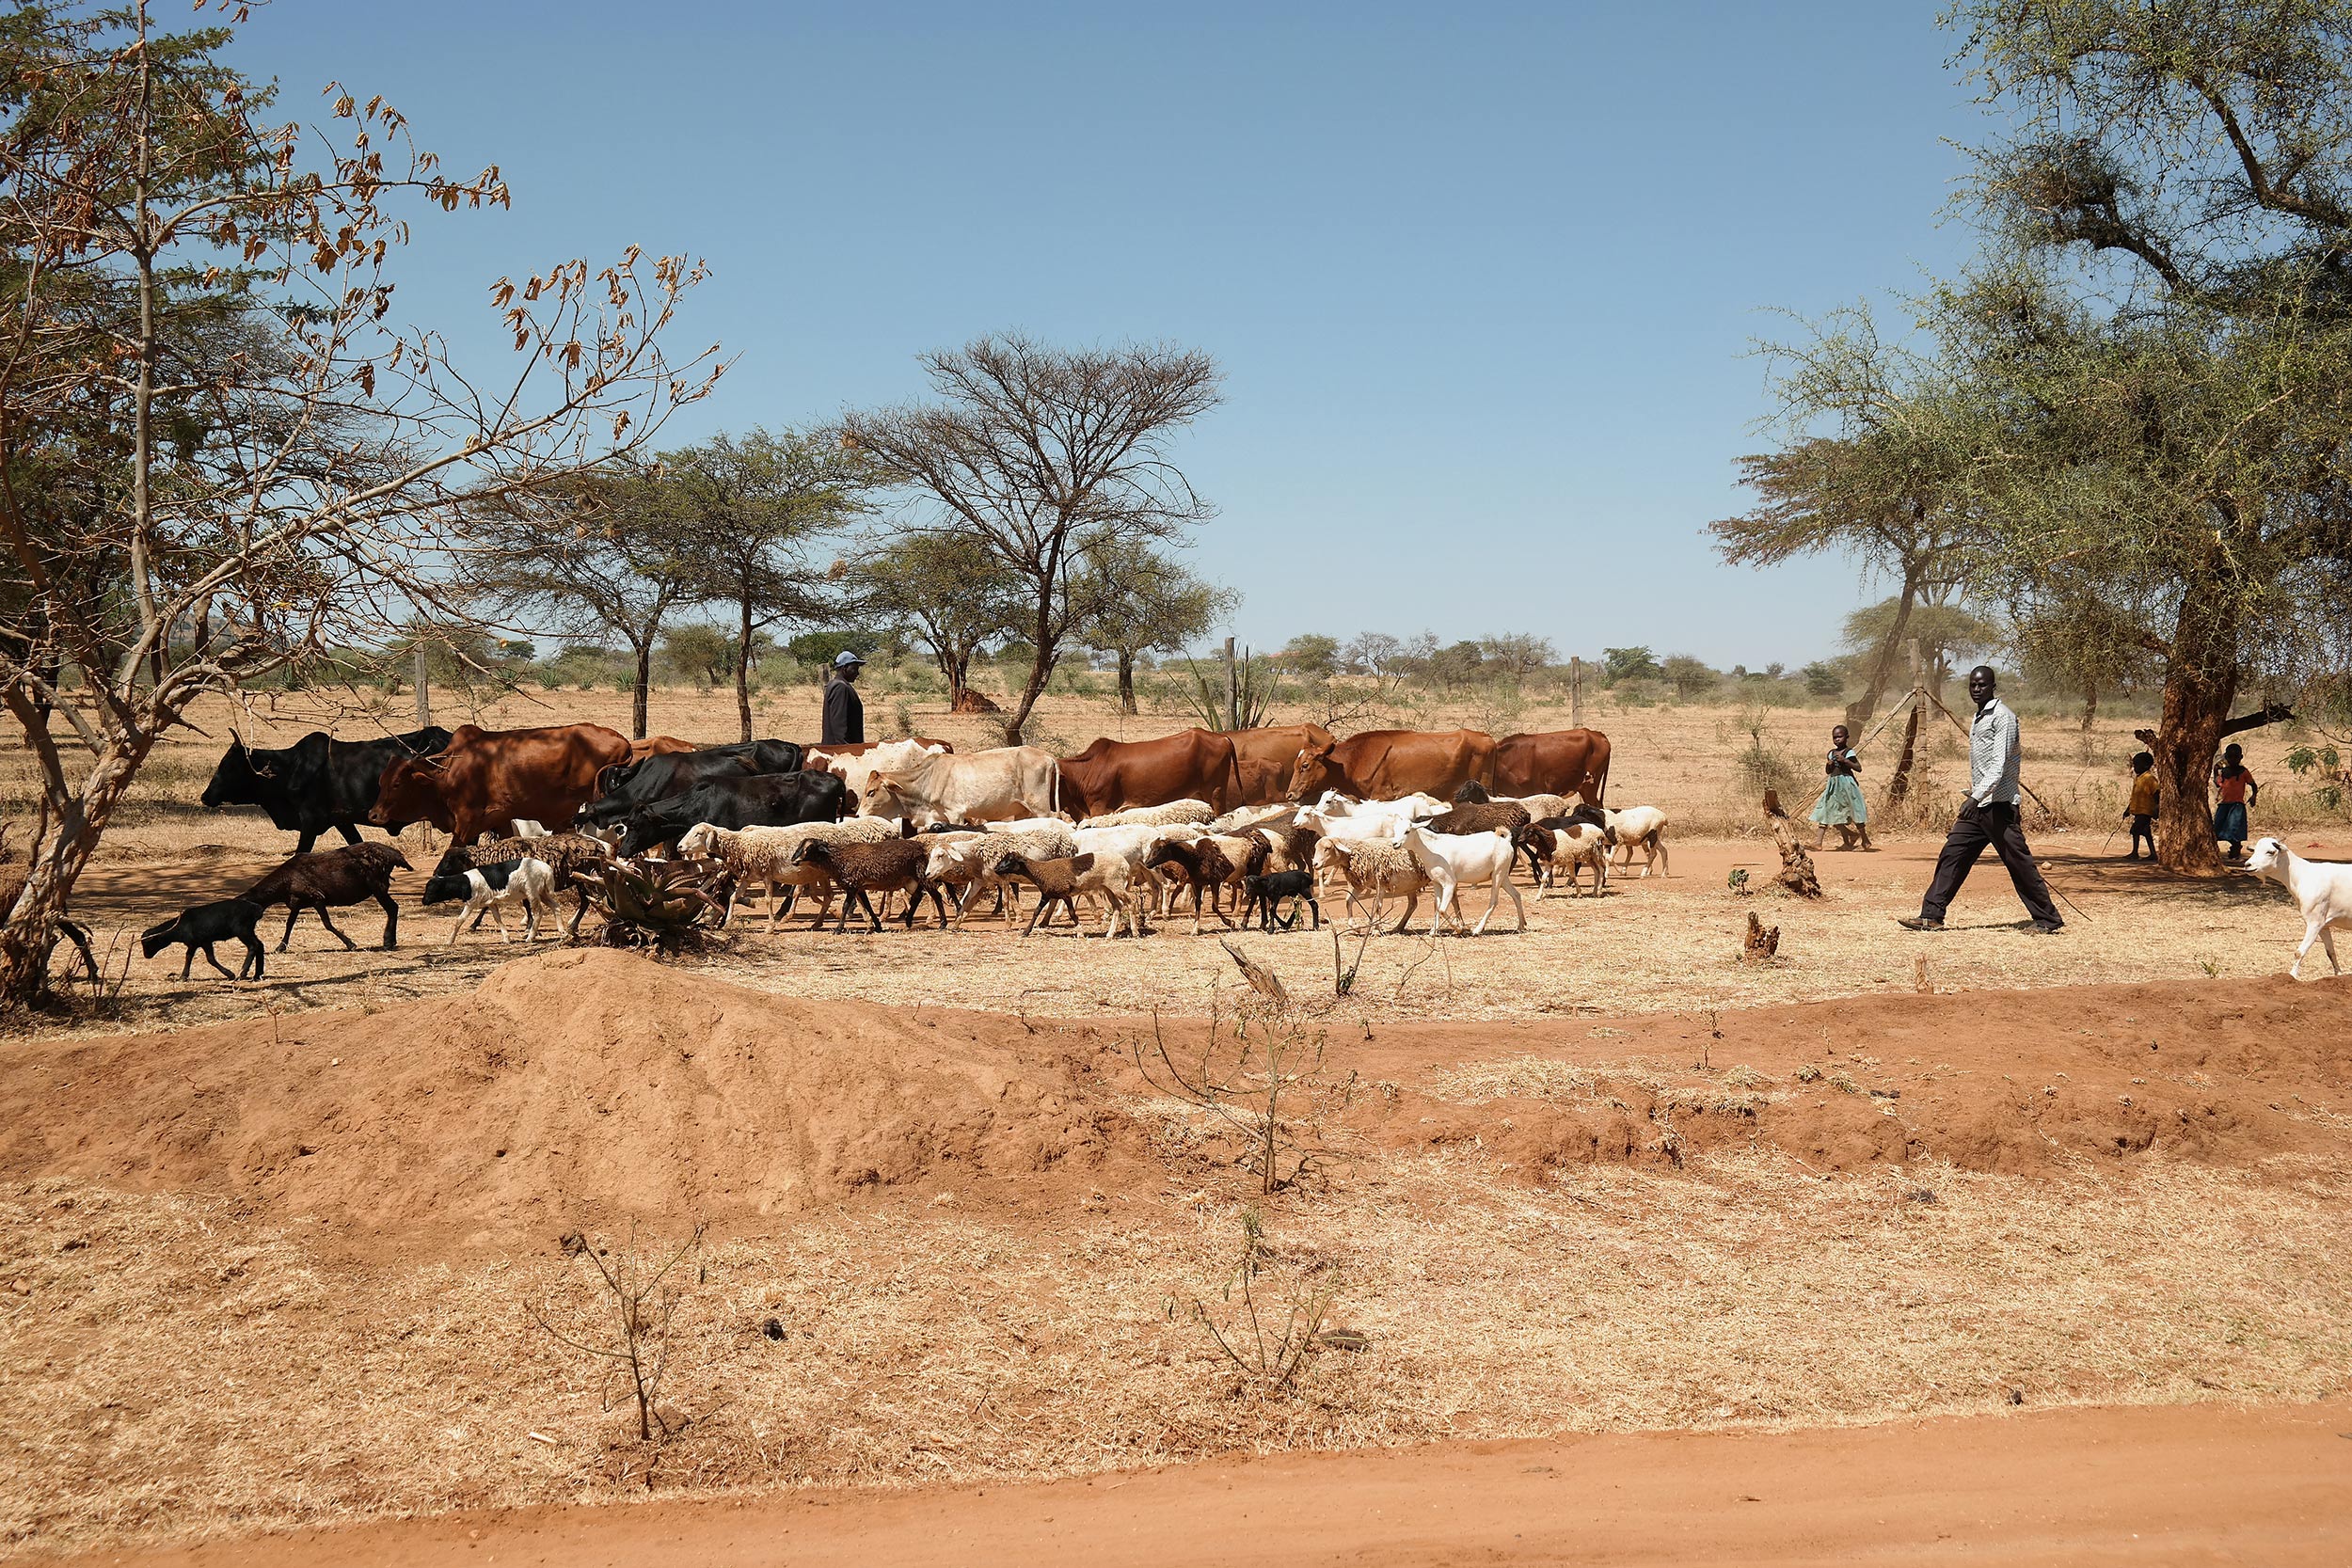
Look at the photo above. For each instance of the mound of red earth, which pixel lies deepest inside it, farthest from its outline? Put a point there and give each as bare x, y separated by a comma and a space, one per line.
578, 1081
2025, 1082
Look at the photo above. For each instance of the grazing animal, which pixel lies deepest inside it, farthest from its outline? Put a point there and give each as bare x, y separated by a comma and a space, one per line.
1202, 865
863, 870
333, 878
1061, 881
565, 854
1172, 813
768, 858
1483, 816
1267, 759
630, 786
1375, 869
657, 746
1380, 765
986, 787
855, 764
493, 890
2322, 889
317, 784
1452, 864
1560, 843
484, 778
760, 800
1111, 776
1642, 828
1553, 762
1267, 895
199, 927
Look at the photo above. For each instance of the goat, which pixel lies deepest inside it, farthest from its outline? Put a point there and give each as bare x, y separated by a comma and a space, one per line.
567, 854
865, 869
1560, 843
1061, 881
1452, 864
204, 925
1202, 865
768, 857
332, 878
1265, 894
1483, 816
491, 889
1639, 827
1378, 869
2322, 887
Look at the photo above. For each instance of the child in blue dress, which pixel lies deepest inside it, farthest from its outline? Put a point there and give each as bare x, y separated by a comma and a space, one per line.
1840, 805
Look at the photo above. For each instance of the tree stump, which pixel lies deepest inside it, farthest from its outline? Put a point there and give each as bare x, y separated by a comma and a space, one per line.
1763, 943
1796, 864
969, 701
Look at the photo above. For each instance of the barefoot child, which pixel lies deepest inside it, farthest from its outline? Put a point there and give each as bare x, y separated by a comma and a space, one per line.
2237, 790
2142, 808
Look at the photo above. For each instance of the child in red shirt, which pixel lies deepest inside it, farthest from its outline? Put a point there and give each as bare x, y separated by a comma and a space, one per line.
2236, 789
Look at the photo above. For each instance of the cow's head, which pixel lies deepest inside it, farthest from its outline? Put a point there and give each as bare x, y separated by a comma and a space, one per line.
241, 778
410, 791
1314, 772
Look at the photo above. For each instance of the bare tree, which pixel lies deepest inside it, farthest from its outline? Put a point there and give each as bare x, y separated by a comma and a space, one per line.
1041, 454
220, 455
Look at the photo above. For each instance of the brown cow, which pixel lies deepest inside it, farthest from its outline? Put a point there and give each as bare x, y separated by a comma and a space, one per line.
488, 777
1267, 757
1112, 775
1553, 762
657, 746
1381, 765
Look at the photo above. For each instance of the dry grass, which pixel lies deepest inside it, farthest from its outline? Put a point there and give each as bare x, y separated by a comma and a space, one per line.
177, 1371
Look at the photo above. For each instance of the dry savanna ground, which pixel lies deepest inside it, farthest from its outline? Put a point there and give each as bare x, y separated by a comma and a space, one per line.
287, 1253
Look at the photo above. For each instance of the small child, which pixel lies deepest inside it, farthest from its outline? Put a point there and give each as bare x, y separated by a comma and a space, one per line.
2142, 809
2237, 789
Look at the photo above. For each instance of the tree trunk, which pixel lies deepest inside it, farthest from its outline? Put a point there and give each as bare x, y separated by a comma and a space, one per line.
956, 665
55, 863
1126, 681
2091, 702
645, 690
743, 671
1898, 787
2196, 714
1858, 712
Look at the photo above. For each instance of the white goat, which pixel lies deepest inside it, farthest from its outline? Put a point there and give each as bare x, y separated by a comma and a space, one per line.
1643, 825
2322, 887
1455, 861
766, 856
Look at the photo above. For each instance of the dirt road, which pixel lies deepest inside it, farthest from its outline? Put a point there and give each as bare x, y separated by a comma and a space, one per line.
2202, 1483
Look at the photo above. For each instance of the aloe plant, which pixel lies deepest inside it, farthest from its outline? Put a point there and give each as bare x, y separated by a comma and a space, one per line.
658, 904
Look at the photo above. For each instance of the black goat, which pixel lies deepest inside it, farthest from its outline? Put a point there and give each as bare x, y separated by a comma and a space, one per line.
205, 924
332, 878
1265, 894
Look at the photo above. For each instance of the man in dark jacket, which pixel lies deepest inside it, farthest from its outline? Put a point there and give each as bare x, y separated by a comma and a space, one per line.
844, 712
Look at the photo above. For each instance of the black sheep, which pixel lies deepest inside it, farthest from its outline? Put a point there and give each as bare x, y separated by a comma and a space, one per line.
205, 924
332, 878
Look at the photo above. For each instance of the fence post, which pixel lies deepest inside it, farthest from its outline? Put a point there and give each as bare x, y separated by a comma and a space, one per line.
1576, 692
424, 692
1232, 691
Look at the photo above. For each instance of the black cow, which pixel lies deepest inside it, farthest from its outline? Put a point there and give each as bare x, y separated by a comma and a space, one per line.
760, 800
317, 782
656, 778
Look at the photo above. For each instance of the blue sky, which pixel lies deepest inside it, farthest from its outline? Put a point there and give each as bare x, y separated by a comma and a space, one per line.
1484, 279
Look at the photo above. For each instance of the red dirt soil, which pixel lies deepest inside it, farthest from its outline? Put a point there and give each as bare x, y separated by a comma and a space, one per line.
479, 1118
2196, 1483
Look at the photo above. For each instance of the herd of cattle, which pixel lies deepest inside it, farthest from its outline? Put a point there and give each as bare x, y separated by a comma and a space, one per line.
1270, 812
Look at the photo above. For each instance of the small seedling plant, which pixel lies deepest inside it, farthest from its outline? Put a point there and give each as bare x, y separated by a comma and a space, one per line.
638, 1288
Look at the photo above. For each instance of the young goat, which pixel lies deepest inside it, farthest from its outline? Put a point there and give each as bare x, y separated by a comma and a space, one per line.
205, 924
2322, 889
1202, 865
1268, 893
1061, 881
332, 878
494, 889
861, 870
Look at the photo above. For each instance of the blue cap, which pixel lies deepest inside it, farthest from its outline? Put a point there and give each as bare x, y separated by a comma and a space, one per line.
843, 659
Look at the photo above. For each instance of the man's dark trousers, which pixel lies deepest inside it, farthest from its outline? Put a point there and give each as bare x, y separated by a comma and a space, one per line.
1977, 827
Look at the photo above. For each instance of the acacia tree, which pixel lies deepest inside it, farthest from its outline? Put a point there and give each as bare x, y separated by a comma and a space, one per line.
1037, 453
1875, 468
1134, 600
752, 505
2163, 335
220, 455
957, 593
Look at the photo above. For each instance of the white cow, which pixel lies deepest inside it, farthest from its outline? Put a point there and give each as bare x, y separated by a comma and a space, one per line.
985, 786
856, 772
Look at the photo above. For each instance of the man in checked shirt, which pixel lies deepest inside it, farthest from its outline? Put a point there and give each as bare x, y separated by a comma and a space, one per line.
1988, 816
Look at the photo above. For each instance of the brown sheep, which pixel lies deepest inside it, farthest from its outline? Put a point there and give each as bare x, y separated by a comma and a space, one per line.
331, 878
1199, 865
861, 870
1061, 881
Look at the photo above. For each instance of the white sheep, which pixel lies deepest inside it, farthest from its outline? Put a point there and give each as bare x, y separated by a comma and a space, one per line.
765, 856
2322, 889
1376, 869
1639, 826
1168, 814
